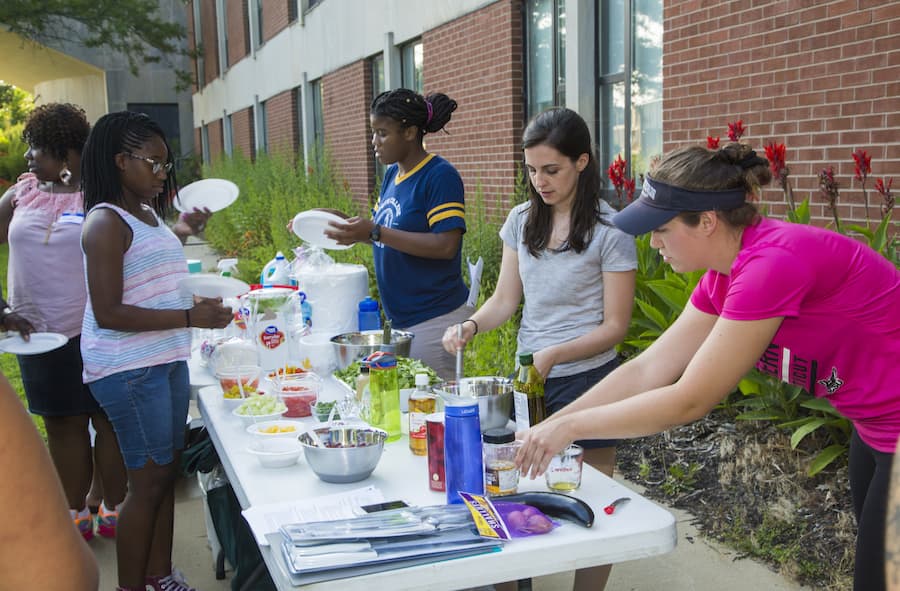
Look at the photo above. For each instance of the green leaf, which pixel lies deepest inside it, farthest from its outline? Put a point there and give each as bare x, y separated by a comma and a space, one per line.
653, 314
804, 430
748, 386
860, 230
825, 457
821, 405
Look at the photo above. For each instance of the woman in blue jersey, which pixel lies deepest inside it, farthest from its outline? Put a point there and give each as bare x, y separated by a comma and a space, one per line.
418, 223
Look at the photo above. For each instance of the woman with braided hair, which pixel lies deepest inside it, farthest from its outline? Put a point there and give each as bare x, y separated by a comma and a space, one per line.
136, 336
805, 304
417, 227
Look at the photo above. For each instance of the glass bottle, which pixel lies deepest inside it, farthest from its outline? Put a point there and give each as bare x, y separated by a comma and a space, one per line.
528, 393
421, 403
501, 477
363, 396
384, 388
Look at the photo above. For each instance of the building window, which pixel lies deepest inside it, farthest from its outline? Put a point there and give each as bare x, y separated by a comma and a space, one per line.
546, 50
630, 81
262, 130
311, 3
378, 86
318, 121
227, 134
222, 26
204, 142
411, 58
256, 8
199, 64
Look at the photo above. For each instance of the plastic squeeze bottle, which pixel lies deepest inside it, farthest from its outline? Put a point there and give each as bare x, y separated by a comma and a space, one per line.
384, 388
463, 461
369, 316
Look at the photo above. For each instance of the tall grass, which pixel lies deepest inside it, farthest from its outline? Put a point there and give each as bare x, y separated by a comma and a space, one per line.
274, 188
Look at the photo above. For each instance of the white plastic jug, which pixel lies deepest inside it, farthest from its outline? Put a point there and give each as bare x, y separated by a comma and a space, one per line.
276, 272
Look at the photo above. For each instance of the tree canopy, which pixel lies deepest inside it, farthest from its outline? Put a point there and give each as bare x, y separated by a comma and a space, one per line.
132, 27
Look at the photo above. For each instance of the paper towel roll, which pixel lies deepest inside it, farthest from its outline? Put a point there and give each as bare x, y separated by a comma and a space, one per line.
334, 292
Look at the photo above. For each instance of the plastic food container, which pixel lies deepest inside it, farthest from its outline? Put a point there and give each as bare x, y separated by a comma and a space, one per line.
298, 392
238, 382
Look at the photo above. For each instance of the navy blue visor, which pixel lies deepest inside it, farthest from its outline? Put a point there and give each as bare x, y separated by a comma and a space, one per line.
659, 203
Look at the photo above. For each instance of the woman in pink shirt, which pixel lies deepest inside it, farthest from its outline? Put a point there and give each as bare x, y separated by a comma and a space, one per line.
808, 305
41, 218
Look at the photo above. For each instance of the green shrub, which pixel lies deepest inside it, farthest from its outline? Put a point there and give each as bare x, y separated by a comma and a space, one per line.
12, 155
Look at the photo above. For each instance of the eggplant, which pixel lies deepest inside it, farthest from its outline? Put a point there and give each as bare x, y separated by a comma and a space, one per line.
555, 505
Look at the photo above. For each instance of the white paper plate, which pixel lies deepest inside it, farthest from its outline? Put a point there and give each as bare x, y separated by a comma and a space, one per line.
39, 342
212, 194
210, 285
310, 226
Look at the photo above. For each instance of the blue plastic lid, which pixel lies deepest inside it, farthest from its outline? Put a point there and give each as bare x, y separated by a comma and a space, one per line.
368, 305
381, 360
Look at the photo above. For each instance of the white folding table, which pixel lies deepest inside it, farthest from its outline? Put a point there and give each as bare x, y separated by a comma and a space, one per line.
638, 529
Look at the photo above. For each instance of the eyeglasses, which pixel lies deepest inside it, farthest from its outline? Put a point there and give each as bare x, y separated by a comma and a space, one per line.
155, 166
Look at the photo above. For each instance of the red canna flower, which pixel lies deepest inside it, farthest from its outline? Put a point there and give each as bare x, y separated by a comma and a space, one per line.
712, 142
736, 130
616, 173
629, 190
829, 188
862, 163
776, 156
885, 190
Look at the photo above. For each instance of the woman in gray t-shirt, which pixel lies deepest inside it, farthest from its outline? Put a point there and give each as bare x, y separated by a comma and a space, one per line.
575, 270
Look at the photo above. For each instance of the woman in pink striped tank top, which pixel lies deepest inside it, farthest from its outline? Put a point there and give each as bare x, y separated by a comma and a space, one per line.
135, 335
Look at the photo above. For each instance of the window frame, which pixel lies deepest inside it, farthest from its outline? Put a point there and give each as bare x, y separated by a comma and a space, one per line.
558, 56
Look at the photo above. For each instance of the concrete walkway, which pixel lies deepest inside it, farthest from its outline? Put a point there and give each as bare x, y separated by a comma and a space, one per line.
696, 564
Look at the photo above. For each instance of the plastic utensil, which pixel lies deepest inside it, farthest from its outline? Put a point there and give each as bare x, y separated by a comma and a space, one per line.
459, 356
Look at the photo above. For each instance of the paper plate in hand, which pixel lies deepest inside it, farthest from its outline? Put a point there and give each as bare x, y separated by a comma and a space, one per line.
210, 285
211, 194
310, 226
38, 342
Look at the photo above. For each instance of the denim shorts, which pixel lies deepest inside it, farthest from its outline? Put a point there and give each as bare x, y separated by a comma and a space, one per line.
558, 392
53, 384
147, 408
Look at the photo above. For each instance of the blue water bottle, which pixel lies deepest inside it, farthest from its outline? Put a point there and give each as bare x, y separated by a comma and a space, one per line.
369, 316
463, 462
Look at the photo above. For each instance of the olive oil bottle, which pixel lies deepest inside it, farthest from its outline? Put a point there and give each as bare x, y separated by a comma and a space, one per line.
528, 393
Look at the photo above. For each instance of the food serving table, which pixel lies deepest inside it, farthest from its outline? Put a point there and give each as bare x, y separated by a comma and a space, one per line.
638, 529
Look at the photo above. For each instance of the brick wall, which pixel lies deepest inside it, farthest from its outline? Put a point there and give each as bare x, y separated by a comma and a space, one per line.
242, 128
192, 46
346, 95
281, 122
210, 43
477, 61
238, 30
198, 143
216, 144
821, 77
276, 15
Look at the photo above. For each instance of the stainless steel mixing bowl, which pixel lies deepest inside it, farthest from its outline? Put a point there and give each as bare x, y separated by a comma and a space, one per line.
494, 394
351, 346
344, 453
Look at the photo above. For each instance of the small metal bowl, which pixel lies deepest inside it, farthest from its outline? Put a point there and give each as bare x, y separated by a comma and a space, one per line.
351, 346
494, 394
344, 453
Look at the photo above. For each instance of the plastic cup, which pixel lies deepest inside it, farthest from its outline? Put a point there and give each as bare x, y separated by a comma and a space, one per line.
434, 444
564, 472
298, 392
238, 382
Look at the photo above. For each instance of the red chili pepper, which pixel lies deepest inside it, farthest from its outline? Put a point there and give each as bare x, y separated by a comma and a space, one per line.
611, 508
